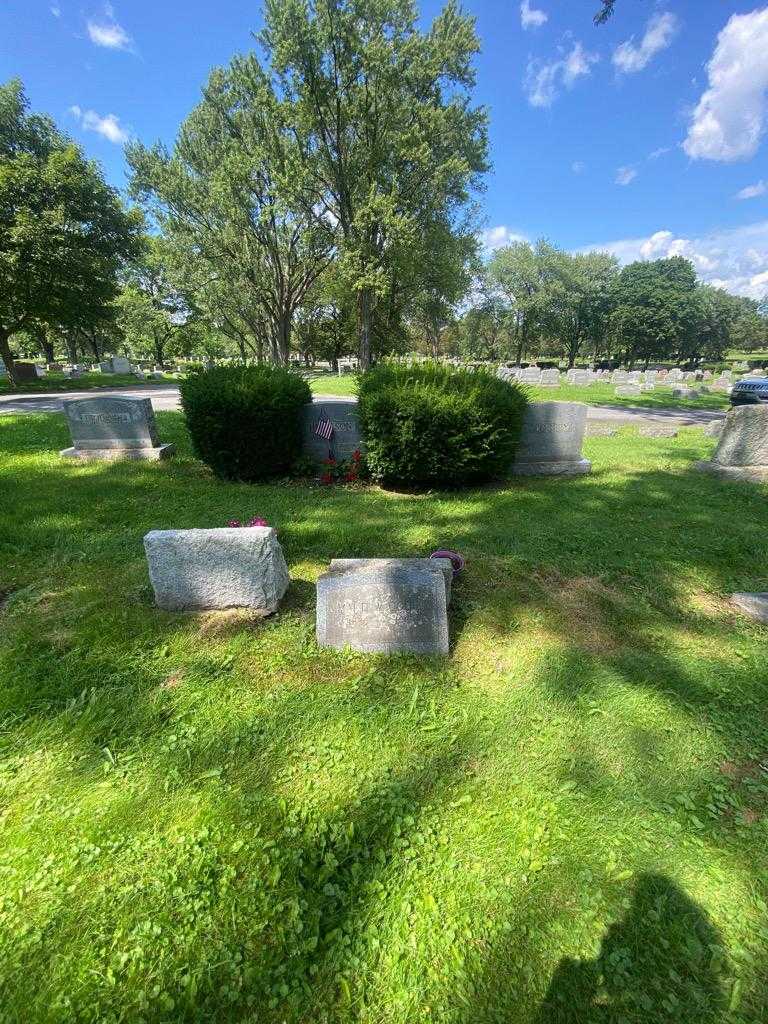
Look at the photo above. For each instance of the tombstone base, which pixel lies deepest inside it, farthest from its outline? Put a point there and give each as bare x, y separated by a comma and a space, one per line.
752, 474
552, 468
163, 451
755, 605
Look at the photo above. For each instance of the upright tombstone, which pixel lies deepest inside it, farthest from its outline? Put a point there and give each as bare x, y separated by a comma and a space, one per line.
112, 427
550, 378
551, 440
628, 391
531, 375
121, 365
742, 448
345, 437
25, 372
231, 567
384, 606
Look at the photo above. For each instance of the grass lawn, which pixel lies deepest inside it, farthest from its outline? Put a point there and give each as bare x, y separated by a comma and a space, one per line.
595, 394
58, 382
205, 818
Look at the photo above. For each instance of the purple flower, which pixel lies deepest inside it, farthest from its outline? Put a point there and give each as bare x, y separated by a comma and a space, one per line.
256, 521
234, 522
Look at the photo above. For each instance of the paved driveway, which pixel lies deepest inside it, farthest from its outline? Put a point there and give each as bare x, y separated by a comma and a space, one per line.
166, 396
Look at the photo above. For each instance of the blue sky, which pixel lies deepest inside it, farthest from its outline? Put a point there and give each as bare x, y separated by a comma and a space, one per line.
638, 136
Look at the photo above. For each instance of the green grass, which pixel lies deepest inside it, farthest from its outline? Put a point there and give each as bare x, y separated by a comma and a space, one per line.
205, 818
58, 382
595, 394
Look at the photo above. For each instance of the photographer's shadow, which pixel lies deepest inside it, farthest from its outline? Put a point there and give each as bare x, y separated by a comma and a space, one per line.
659, 962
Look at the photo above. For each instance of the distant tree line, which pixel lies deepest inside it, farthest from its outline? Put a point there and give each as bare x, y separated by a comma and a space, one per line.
533, 301
319, 203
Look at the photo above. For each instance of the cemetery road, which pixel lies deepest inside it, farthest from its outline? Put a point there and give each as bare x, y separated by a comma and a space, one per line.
166, 396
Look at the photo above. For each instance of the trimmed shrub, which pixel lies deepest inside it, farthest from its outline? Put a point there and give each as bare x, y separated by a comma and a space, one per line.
245, 421
428, 425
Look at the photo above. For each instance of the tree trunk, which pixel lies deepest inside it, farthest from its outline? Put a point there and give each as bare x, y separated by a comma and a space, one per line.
5, 355
364, 304
283, 345
47, 347
71, 341
159, 347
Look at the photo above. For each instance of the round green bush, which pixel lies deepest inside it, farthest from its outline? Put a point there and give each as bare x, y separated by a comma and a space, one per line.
428, 425
245, 421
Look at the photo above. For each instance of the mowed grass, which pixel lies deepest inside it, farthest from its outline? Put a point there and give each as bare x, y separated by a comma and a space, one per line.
205, 818
595, 394
88, 382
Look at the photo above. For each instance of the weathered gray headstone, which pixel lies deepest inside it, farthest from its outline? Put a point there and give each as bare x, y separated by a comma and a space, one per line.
231, 567
714, 429
686, 393
550, 378
386, 608
442, 565
627, 391
25, 372
112, 427
742, 449
551, 439
346, 430
755, 605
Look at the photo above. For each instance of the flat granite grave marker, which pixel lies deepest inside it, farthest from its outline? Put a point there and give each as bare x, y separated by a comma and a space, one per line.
346, 437
742, 448
551, 440
229, 567
384, 606
111, 427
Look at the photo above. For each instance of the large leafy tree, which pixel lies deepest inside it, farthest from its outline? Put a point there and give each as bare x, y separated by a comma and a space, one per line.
151, 310
656, 309
63, 231
388, 131
577, 299
519, 274
226, 199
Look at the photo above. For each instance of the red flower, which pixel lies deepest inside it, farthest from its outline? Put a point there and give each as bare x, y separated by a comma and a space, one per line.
326, 478
350, 477
356, 455
329, 462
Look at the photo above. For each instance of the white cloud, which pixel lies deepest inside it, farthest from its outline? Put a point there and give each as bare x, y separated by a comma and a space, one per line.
498, 237
661, 151
56, 11
625, 175
543, 81
735, 259
752, 191
530, 17
578, 167
659, 33
108, 32
729, 119
109, 126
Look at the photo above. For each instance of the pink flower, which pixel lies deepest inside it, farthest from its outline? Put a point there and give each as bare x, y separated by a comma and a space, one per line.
234, 522
256, 521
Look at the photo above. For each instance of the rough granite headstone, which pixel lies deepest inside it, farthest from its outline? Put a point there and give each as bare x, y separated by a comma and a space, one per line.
25, 372
346, 430
230, 567
386, 608
111, 427
551, 440
686, 393
714, 429
742, 448
550, 378
627, 391
755, 605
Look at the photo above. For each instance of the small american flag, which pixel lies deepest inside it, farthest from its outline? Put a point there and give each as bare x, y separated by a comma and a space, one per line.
324, 427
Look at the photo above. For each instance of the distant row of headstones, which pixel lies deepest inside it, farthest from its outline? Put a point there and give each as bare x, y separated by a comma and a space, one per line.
644, 380
26, 372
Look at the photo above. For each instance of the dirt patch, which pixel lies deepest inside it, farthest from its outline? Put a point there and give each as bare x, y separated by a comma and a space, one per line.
712, 606
228, 620
737, 771
585, 607
172, 681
